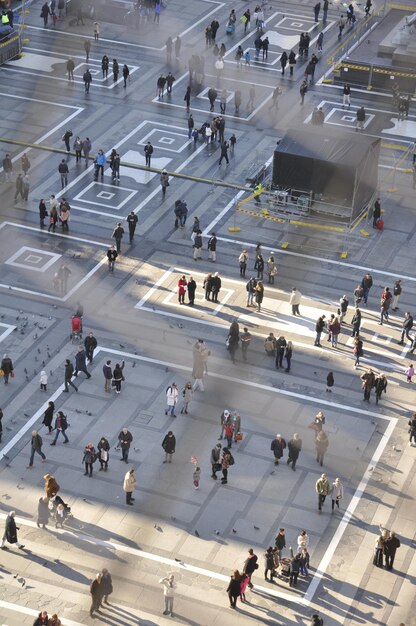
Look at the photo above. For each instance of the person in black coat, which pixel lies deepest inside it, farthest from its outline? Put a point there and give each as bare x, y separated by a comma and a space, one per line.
234, 588
81, 363
356, 323
69, 372
283, 62
96, 591
391, 545
294, 446
329, 381
43, 212
191, 291
169, 446
48, 416
90, 344
250, 566
277, 446
10, 531
103, 448
233, 339
376, 212
281, 344
107, 585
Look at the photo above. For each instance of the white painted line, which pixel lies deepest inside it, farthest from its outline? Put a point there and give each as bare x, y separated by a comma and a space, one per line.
77, 111
37, 230
34, 613
155, 287
9, 329
347, 517
133, 45
313, 585
38, 75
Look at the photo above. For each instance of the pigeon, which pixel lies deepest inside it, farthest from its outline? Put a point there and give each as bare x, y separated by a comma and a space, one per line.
43, 363
178, 560
196, 533
121, 345
38, 350
134, 364
88, 412
45, 564
234, 531
25, 371
26, 414
217, 532
257, 527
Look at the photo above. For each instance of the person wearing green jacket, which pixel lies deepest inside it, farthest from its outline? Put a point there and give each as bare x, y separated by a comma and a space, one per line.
323, 489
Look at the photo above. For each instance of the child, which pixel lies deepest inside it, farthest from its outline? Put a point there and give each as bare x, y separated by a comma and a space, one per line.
196, 477
43, 380
60, 516
244, 580
409, 372
329, 381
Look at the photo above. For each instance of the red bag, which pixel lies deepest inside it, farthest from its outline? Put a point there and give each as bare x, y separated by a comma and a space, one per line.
380, 224
238, 437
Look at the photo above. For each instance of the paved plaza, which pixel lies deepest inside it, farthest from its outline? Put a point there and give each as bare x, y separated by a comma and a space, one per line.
200, 535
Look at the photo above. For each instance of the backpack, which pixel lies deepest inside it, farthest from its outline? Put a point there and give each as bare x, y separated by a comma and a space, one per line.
231, 461
64, 422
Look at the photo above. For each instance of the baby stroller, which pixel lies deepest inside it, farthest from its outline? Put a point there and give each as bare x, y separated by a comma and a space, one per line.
230, 28
76, 329
60, 510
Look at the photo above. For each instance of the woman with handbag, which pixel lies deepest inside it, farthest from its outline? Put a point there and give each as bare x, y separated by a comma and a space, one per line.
90, 457
337, 493
103, 453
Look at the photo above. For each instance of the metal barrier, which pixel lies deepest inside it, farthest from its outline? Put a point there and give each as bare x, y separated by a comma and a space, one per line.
377, 76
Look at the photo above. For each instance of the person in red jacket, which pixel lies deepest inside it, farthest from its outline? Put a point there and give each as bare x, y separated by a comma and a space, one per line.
182, 287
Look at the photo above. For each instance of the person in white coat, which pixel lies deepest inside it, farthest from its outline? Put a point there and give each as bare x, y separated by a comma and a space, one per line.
337, 493
129, 485
171, 399
169, 587
294, 301
303, 541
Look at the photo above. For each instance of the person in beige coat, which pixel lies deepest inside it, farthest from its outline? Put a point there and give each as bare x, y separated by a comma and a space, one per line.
198, 369
294, 301
129, 485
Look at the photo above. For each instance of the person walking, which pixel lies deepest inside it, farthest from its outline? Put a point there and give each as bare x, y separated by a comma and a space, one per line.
69, 372
294, 447
361, 117
316, 10
132, 220
343, 307
246, 338
148, 151
129, 485
7, 367
86, 149
234, 588
357, 350
171, 399
70, 66
187, 100
96, 594
366, 284
243, 259
118, 376
356, 323
10, 532
124, 441
169, 446
43, 512
169, 588
385, 302
81, 363
380, 385
118, 233
89, 458
412, 429
87, 78
376, 212
323, 489
321, 445
8, 168
90, 345
283, 61
103, 448
277, 447
216, 459
368, 380
36, 446
302, 90
294, 301
319, 328
61, 425
294, 570
48, 417
112, 255
250, 566
406, 328
410, 372
337, 493
164, 182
